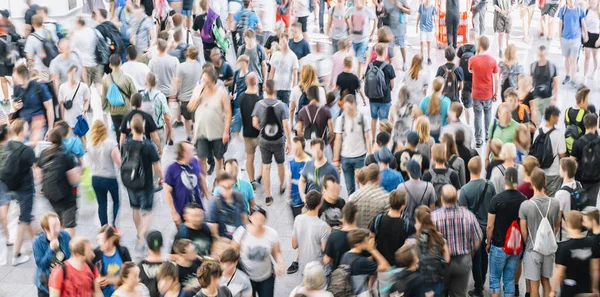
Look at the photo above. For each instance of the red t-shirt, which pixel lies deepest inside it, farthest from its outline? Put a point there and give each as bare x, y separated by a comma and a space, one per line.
526, 189
483, 67
79, 283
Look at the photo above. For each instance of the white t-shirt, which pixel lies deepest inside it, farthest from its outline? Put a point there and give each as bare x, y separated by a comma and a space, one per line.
302, 8
558, 147
284, 65
66, 93
296, 93
416, 87
311, 232
267, 7
137, 71
85, 46
353, 138
564, 200
255, 252
239, 284
592, 21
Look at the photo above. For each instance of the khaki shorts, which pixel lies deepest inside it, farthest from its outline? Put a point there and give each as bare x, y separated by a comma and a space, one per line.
94, 74
526, 11
250, 145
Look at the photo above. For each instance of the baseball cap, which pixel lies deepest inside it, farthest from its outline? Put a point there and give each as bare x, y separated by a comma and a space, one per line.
412, 137
384, 155
511, 177
414, 169
154, 240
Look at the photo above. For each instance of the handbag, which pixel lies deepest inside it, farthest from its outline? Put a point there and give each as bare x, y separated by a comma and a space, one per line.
68, 104
81, 127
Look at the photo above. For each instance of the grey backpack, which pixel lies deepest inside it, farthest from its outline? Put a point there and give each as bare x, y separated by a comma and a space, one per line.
375, 83
439, 180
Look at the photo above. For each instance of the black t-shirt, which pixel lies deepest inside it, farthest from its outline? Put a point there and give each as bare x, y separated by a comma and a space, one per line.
225, 72
201, 238
543, 75
347, 82
270, 40
391, 235
332, 213
149, 124
453, 176
31, 11
26, 160
199, 22
188, 276
336, 247
69, 161
390, 74
371, 160
404, 156
466, 48
247, 103
149, 156
506, 208
148, 271
575, 255
458, 72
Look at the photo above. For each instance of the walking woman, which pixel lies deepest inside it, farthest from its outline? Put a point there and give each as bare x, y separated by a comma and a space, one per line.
104, 156
308, 78
416, 81
129, 282
510, 69
109, 258
436, 106
592, 20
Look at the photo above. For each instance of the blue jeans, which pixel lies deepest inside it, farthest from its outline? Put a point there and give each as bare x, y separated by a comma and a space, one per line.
284, 96
236, 121
380, 110
360, 50
482, 108
502, 266
349, 166
321, 13
102, 186
123, 54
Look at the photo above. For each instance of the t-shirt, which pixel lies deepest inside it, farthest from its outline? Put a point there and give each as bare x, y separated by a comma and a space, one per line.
102, 164
189, 74
78, 94
111, 266
222, 291
453, 176
506, 134
201, 238
505, 206
238, 87
296, 166
353, 137
390, 179
482, 68
348, 83
444, 107
260, 111
452, 7
164, 68
69, 162
26, 160
250, 16
149, 124
300, 48
458, 73
337, 245
256, 56
239, 284
268, 13
529, 212
199, 23
470, 195
148, 272
339, 28
564, 199
360, 270
60, 66
188, 276
247, 103
543, 75
84, 46
255, 252
149, 157
141, 29
571, 21
390, 74
314, 176
576, 255
360, 23
417, 193
225, 72
406, 155
302, 8
331, 213
34, 47
390, 235
284, 65
559, 147
426, 20
183, 180
227, 216
78, 283
137, 71
526, 189
310, 232
319, 115
498, 172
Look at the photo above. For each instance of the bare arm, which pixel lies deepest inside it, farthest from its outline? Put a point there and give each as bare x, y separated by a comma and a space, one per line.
524, 233
595, 271
382, 263
115, 155
256, 123
272, 73
286, 129
559, 277
156, 140
294, 242
158, 170
74, 175
331, 135
294, 76
292, 110
337, 148
326, 259
302, 187
48, 105
278, 257
490, 228
226, 104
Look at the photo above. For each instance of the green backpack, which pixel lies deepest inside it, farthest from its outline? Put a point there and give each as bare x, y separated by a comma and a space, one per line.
221, 39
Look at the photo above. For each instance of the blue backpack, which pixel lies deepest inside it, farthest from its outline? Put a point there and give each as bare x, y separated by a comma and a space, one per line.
114, 95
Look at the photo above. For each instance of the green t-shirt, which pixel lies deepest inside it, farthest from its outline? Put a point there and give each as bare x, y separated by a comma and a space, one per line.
506, 134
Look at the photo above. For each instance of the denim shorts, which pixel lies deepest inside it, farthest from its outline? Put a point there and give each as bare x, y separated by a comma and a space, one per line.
25, 200
380, 110
236, 121
360, 50
186, 12
141, 199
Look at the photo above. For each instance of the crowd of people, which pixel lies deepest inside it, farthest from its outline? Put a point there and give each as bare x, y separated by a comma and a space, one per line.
440, 189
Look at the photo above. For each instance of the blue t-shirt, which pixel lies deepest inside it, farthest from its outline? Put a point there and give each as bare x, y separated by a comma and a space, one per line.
183, 179
125, 19
240, 85
444, 106
296, 167
390, 179
252, 18
74, 145
571, 21
243, 187
426, 20
111, 266
227, 216
300, 48
33, 97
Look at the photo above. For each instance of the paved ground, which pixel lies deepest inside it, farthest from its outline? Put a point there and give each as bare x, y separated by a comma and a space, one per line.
18, 281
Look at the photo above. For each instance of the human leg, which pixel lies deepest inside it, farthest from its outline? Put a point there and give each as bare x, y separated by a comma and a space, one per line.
497, 263
478, 110
113, 189
487, 111
348, 170
101, 191
508, 275
480, 265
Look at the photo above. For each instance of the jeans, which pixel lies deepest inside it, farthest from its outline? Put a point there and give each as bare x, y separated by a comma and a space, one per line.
321, 13
265, 288
457, 275
102, 186
334, 45
284, 96
452, 21
479, 19
502, 266
123, 54
349, 166
236, 121
482, 108
117, 119
480, 266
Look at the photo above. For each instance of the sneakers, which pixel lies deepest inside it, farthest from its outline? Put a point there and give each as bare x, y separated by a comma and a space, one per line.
177, 124
211, 169
517, 293
293, 268
567, 80
472, 293
19, 259
269, 201
428, 61
573, 84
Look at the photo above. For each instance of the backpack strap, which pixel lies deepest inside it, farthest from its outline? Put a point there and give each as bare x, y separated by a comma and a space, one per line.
481, 196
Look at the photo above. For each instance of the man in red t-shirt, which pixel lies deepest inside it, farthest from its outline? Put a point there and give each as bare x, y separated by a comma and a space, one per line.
80, 277
485, 87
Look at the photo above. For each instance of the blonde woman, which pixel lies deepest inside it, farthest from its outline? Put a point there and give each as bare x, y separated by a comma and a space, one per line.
104, 156
522, 142
436, 108
416, 81
298, 97
508, 154
425, 139
592, 20
510, 69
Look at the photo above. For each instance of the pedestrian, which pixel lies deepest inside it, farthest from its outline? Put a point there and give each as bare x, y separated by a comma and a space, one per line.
187, 76
529, 164
454, 160
338, 63
315, 170
138, 108
502, 23
209, 278
452, 22
314, 121
574, 126
337, 28
582, 148
109, 258
465, 53
241, 185
142, 34
401, 115
284, 69
168, 280
504, 128
76, 272
233, 278
455, 123
379, 91
74, 98
425, 142
129, 282
188, 263
226, 212
195, 228
35, 53
568, 167
416, 81
34, 104
435, 107
126, 88
440, 174
592, 22
247, 101
452, 74
425, 23
572, 33
150, 265
257, 56
135, 69
347, 83
545, 85
299, 95
50, 249
550, 163
510, 69
359, 18
371, 199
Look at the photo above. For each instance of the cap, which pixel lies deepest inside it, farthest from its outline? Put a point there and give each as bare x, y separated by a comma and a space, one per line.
511, 177
384, 155
414, 168
154, 240
412, 137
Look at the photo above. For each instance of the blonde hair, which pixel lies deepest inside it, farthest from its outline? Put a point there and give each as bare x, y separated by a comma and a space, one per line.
496, 147
508, 151
422, 128
416, 66
99, 132
308, 77
433, 108
510, 54
438, 153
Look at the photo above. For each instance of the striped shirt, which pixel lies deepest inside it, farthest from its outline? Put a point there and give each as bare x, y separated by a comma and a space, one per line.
370, 201
459, 227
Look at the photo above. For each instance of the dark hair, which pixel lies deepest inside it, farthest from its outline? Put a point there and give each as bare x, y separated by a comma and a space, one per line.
192, 205
103, 12
230, 161
211, 72
301, 140
329, 178
114, 60
125, 271
132, 52
569, 166
449, 53
349, 212
318, 141
590, 121
270, 87
3, 132
207, 271
312, 199
538, 179
350, 99
168, 269
181, 244
81, 21
357, 236
330, 98
551, 111
136, 100
405, 256
222, 177
383, 138
229, 256
22, 71
312, 93
110, 232
397, 199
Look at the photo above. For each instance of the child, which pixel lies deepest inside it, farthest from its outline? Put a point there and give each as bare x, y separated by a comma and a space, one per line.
568, 167
348, 83
401, 116
410, 282
426, 22
296, 166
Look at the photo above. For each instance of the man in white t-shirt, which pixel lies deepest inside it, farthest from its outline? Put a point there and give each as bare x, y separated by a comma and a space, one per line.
85, 46
74, 98
559, 148
266, 14
134, 69
284, 70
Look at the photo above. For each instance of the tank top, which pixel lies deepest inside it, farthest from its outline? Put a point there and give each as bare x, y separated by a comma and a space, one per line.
210, 116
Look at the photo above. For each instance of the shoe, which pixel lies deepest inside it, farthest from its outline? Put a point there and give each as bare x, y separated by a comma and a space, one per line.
170, 142
189, 139
472, 293
567, 80
258, 180
573, 84
254, 185
428, 61
542, 34
517, 293
20, 259
211, 169
282, 190
479, 145
177, 124
404, 68
293, 268
269, 201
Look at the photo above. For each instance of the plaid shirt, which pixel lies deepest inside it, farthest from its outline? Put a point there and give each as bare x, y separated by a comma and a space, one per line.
460, 228
370, 201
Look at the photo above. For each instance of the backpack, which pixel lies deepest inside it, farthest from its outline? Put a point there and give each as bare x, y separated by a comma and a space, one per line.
113, 38
114, 94
405, 280
464, 64
435, 124
49, 49
432, 264
375, 82
545, 241
439, 180
451, 83
9, 51
542, 89
10, 170
302, 102
340, 284
579, 197
311, 130
54, 175
220, 37
420, 200
273, 128
513, 241
589, 164
542, 149
89, 264
378, 218
206, 31
573, 130
242, 24
180, 51
102, 51
133, 172
148, 104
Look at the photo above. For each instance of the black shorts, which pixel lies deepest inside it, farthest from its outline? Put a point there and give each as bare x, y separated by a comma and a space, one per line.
206, 148
6, 70
268, 151
68, 216
141, 199
592, 38
297, 210
304, 22
185, 113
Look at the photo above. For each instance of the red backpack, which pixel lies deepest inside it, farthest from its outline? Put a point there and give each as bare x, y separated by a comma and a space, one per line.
513, 241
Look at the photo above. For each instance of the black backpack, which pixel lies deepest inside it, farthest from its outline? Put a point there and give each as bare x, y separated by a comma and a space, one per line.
589, 164
273, 128
542, 149
133, 172
579, 197
431, 264
112, 37
542, 89
464, 64
439, 181
102, 51
302, 101
311, 130
451, 83
376, 84
54, 185
49, 49
10, 162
